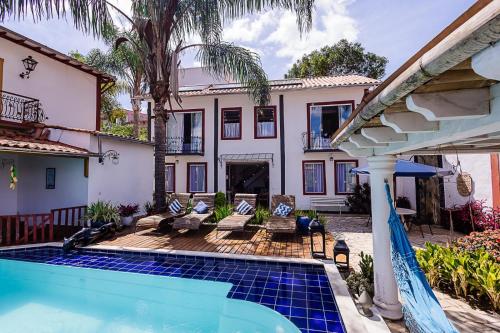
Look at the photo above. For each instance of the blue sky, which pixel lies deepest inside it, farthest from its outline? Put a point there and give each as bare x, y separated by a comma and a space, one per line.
394, 29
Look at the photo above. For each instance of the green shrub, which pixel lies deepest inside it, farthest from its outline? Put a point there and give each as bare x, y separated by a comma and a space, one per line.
360, 201
222, 212
363, 280
488, 240
220, 199
307, 213
261, 215
102, 211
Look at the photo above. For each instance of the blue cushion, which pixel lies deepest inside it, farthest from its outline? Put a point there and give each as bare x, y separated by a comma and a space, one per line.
282, 210
243, 208
201, 208
175, 207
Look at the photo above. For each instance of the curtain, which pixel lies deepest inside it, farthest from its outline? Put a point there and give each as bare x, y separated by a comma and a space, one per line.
196, 131
232, 130
197, 178
265, 129
345, 180
169, 177
175, 132
345, 112
314, 177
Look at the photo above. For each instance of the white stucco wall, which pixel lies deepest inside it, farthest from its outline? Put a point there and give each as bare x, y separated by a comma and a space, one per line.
8, 197
129, 181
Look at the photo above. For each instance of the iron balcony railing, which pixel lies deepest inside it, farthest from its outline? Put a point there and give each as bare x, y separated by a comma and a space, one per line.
316, 142
20, 108
185, 145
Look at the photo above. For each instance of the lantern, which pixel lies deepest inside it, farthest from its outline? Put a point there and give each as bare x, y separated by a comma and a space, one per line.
341, 254
316, 227
29, 65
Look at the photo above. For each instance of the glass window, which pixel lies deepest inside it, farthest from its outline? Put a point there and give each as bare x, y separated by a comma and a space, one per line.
170, 178
197, 177
314, 177
265, 122
324, 120
231, 123
185, 132
345, 181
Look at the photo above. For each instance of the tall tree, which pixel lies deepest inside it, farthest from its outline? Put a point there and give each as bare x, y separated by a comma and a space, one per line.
343, 58
163, 29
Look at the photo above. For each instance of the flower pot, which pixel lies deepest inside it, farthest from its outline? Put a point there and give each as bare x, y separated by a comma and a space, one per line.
303, 224
127, 220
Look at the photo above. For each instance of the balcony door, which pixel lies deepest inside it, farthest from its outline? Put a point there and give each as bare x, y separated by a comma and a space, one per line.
324, 120
185, 132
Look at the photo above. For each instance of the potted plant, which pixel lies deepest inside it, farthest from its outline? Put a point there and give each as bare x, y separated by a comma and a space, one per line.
127, 213
102, 212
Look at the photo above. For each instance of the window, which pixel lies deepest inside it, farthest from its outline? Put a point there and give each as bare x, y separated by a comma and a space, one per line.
323, 120
185, 131
197, 177
231, 124
345, 181
170, 177
313, 175
265, 122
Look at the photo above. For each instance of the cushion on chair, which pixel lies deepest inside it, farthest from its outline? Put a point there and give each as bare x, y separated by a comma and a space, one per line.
282, 210
243, 208
175, 207
201, 208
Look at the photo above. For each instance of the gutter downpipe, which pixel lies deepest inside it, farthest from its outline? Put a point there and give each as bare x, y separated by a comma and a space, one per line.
480, 31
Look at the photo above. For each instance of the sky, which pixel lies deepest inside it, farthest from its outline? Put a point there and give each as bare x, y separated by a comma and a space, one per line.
390, 28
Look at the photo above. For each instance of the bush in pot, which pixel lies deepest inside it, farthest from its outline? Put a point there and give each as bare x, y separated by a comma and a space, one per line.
127, 213
100, 213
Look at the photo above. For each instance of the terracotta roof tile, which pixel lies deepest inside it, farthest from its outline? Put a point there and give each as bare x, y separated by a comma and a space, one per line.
32, 145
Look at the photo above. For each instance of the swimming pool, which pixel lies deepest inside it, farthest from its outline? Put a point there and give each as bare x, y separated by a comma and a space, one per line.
130, 292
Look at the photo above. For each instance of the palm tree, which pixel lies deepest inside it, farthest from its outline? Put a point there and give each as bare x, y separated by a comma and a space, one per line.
163, 28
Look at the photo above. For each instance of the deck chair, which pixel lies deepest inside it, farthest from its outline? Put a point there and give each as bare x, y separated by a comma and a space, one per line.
235, 221
154, 221
193, 220
278, 224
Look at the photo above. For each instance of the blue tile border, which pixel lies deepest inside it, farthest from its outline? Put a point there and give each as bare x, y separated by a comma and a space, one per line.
299, 291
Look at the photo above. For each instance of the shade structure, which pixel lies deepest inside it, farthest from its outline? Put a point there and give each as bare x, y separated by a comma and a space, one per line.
405, 168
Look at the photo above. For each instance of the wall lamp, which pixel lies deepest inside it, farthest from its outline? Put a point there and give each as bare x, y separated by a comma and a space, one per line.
29, 65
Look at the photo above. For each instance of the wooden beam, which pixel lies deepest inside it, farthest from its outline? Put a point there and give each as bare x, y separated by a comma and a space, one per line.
408, 122
433, 88
383, 135
456, 76
458, 104
362, 142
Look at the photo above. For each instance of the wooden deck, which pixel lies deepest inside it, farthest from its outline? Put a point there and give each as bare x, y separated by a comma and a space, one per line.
251, 242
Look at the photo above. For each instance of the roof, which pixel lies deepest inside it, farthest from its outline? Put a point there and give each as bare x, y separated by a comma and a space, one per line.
51, 53
281, 85
29, 145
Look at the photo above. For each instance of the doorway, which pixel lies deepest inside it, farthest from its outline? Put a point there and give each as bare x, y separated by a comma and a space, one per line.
250, 178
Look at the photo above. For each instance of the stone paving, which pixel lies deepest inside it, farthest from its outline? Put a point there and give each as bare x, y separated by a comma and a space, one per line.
357, 234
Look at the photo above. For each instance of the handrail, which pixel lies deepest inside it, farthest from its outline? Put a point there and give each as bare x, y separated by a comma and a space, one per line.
22, 108
314, 141
184, 145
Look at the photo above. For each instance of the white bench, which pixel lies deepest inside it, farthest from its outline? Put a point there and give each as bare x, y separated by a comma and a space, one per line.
328, 204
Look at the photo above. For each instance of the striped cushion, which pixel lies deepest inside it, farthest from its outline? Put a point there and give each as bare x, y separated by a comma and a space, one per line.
175, 207
282, 210
243, 208
201, 208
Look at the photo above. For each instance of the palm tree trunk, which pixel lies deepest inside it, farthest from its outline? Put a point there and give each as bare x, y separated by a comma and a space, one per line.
160, 151
136, 108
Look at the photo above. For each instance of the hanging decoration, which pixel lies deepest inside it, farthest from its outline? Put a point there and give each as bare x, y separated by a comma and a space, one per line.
464, 184
13, 177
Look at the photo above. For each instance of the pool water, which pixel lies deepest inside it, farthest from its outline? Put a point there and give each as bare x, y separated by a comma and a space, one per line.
45, 291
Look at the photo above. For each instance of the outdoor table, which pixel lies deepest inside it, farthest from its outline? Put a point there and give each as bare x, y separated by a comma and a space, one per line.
403, 213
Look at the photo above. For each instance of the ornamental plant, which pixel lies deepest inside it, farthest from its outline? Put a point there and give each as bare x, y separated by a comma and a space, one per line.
128, 210
363, 280
488, 240
476, 216
261, 215
223, 211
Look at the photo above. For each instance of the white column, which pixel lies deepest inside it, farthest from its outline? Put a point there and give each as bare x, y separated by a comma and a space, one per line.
386, 291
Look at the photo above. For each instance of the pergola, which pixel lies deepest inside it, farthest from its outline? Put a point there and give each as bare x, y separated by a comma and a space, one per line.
444, 99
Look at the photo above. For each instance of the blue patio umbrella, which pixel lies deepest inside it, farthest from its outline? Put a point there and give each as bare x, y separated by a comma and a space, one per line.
408, 169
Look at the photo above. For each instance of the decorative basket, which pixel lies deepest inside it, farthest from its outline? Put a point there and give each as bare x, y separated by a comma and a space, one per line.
464, 184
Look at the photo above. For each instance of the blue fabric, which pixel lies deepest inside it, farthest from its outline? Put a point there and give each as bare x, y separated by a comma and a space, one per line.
201, 208
282, 210
421, 309
175, 207
405, 168
243, 208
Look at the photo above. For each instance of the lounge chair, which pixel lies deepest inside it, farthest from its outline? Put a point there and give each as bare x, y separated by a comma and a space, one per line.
193, 220
154, 221
237, 222
278, 224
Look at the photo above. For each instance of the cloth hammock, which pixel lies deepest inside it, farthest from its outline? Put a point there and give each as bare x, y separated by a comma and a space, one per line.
421, 309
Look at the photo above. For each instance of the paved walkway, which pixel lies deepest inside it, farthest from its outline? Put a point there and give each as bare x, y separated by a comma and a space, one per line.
359, 238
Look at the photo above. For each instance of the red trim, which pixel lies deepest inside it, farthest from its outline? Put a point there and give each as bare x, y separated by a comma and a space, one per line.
335, 178
304, 178
495, 179
309, 105
202, 124
222, 137
189, 176
98, 105
256, 108
171, 164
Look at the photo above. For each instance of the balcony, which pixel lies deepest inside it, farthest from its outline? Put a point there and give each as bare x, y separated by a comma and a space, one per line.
185, 145
20, 108
314, 142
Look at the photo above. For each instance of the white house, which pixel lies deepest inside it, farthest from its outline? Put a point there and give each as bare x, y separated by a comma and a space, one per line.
49, 135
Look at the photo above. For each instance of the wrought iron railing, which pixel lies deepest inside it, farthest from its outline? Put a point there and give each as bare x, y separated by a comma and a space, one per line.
185, 145
316, 142
20, 108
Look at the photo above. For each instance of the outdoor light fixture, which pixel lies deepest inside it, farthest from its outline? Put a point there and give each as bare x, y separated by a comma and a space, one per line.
30, 65
316, 227
341, 254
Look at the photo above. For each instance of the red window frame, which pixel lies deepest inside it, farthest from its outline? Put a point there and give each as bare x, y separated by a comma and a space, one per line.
222, 136
335, 176
304, 192
257, 108
172, 165
189, 176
